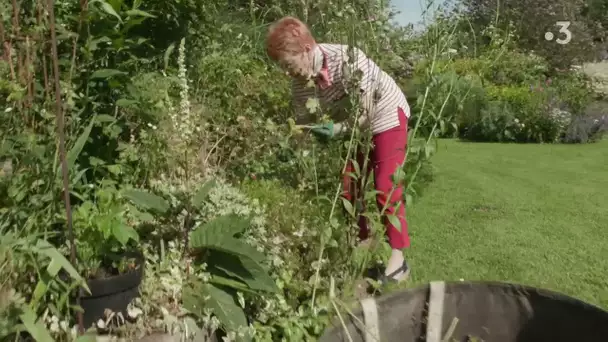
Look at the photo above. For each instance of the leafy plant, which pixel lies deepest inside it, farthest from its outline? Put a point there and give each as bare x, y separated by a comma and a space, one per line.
24, 311
105, 233
232, 264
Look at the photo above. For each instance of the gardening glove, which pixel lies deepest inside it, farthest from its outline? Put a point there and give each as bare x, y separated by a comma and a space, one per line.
328, 130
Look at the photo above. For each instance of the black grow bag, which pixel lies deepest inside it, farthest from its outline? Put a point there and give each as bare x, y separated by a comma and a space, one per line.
491, 312
114, 293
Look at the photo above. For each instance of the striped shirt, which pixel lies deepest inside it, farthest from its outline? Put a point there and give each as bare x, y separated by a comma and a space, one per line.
388, 96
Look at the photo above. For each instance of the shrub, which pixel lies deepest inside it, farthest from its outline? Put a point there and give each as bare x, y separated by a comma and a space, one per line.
495, 122
589, 126
464, 94
515, 67
534, 113
523, 104
508, 68
574, 89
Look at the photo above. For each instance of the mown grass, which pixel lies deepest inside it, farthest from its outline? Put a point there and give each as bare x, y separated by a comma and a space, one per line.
531, 214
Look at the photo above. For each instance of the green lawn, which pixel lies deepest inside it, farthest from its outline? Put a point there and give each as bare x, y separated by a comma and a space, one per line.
531, 214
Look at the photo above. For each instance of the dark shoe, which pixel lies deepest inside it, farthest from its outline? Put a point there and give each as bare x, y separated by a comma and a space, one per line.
390, 278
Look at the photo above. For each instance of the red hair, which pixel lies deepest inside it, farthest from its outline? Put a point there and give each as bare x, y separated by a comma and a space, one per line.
287, 36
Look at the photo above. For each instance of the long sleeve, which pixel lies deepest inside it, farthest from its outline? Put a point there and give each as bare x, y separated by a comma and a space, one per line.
367, 70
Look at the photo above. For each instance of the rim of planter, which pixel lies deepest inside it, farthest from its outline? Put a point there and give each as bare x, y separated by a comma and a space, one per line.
464, 286
453, 286
117, 283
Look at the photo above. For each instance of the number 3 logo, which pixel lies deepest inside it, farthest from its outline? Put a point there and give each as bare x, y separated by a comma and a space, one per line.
563, 28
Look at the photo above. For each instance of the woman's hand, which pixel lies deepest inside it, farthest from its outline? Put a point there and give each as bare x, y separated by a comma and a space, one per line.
324, 130
327, 131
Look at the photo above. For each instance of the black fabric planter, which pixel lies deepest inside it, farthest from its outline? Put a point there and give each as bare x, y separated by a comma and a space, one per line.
114, 293
492, 312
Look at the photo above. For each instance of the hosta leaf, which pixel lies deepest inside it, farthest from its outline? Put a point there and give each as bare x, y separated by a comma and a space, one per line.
215, 239
228, 282
223, 305
244, 269
146, 200
219, 234
193, 298
229, 225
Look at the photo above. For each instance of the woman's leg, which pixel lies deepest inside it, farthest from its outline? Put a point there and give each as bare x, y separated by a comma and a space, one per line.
388, 157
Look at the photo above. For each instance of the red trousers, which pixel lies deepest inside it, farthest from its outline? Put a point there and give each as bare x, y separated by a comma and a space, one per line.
386, 156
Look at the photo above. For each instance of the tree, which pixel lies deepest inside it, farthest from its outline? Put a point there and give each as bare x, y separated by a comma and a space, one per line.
542, 24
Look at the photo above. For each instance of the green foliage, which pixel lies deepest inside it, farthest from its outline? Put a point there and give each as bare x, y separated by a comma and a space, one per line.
232, 264
508, 96
161, 96
516, 114
198, 296
104, 232
21, 307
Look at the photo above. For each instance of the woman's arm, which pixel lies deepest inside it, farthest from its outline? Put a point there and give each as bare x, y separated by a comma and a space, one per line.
366, 74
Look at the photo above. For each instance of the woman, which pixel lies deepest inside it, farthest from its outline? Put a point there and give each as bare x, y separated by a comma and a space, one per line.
320, 71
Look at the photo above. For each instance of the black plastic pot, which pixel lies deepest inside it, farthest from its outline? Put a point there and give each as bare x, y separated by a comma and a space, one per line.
114, 293
488, 311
